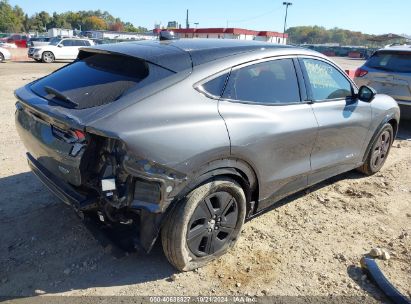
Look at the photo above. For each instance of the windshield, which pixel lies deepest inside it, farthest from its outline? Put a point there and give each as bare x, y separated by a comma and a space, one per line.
393, 61
55, 41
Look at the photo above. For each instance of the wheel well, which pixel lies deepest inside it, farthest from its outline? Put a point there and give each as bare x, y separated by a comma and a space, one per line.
47, 52
251, 192
394, 125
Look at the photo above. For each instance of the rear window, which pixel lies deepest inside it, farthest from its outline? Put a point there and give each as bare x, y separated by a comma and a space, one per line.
391, 61
97, 79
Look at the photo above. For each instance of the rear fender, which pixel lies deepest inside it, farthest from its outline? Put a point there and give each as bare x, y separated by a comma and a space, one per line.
237, 169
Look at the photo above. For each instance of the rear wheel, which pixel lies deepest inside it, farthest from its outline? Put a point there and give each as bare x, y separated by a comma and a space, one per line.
379, 151
204, 225
1, 57
47, 57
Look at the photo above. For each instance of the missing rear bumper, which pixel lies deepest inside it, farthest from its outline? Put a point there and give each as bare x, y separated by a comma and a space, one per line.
61, 189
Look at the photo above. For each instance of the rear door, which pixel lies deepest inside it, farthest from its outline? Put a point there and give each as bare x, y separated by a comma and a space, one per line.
343, 119
269, 126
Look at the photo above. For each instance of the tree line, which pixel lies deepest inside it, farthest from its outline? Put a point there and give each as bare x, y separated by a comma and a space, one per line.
13, 20
320, 35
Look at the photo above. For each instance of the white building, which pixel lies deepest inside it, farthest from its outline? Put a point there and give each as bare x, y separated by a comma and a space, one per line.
101, 34
232, 33
53, 32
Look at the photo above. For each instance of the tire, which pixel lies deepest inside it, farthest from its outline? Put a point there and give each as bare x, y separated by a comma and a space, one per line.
1, 57
191, 236
47, 57
379, 151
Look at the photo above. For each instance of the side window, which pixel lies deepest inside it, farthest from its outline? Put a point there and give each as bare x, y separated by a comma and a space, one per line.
67, 42
272, 82
325, 81
215, 86
80, 42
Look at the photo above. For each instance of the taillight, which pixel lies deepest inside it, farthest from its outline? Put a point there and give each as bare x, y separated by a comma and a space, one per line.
69, 136
79, 134
360, 72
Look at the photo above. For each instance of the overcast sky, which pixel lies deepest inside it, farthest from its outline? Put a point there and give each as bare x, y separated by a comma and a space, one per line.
373, 17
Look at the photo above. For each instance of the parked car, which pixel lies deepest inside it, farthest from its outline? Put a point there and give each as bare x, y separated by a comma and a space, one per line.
190, 138
20, 40
4, 54
58, 49
388, 71
38, 41
7, 45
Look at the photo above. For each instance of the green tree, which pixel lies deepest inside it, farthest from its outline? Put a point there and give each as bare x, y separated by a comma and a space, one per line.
94, 23
59, 21
320, 35
39, 22
11, 19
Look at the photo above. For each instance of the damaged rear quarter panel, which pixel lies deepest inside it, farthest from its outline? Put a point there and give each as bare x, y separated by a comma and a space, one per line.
179, 131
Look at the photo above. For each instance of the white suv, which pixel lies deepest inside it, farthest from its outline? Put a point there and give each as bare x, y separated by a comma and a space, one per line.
59, 49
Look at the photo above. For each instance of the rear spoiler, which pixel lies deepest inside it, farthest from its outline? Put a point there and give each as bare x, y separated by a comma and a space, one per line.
163, 55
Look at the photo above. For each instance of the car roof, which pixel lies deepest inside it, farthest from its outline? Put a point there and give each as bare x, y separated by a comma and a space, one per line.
206, 50
400, 48
74, 38
179, 55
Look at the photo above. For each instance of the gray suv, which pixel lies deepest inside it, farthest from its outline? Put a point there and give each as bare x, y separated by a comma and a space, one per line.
388, 71
188, 139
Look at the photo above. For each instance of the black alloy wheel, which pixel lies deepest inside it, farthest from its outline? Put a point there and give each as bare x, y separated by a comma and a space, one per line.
380, 151
205, 224
212, 224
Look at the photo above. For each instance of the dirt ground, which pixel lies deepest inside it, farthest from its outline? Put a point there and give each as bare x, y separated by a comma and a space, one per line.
310, 245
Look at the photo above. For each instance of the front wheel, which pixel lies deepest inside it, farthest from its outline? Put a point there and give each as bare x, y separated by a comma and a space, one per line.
204, 225
48, 57
379, 151
1, 57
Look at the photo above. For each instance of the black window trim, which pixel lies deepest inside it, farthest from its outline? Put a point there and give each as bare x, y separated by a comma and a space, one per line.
310, 99
299, 74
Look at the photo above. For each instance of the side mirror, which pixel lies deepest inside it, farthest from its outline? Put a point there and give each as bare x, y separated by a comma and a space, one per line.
366, 94
60, 46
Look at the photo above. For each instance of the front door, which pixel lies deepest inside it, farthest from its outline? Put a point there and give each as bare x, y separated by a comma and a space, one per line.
343, 119
68, 49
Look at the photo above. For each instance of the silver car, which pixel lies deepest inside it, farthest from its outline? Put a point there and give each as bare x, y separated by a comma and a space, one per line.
388, 71
188, 139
